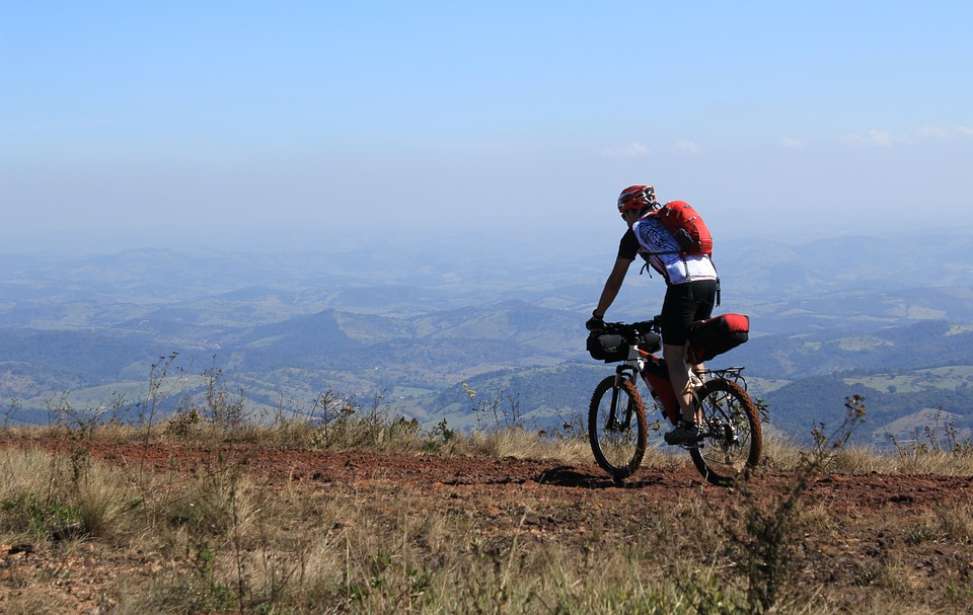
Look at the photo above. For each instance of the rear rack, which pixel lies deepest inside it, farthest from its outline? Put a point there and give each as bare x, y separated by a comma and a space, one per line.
733, 374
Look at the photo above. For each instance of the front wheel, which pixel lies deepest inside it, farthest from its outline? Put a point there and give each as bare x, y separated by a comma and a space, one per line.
732, 440
616, 426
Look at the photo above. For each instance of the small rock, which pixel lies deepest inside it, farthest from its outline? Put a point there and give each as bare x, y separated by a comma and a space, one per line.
21, 548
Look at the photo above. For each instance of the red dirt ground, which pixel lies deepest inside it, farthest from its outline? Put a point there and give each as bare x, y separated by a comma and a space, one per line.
842, 491
539, 500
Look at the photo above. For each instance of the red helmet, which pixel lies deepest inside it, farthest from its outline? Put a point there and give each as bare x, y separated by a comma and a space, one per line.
637, 198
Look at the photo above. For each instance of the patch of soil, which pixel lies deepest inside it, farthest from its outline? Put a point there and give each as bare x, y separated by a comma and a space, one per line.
842, 491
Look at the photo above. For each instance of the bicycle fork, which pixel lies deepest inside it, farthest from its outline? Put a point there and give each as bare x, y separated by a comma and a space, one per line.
612, 424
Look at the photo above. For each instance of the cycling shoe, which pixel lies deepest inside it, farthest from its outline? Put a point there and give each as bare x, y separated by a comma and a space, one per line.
684, 434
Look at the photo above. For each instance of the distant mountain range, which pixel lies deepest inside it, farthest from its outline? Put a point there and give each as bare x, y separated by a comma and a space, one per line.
830, 318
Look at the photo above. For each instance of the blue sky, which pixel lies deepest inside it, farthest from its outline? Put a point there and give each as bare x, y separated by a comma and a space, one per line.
316, 118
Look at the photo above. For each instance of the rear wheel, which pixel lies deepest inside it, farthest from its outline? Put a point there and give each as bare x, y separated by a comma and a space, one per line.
732, 439
616, 426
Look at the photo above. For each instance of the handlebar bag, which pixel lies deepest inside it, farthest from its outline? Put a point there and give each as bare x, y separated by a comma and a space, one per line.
607, 347
714, 336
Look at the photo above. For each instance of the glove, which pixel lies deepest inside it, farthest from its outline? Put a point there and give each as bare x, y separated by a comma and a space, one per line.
594, 323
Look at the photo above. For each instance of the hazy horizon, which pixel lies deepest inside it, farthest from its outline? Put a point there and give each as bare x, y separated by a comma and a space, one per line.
267, 128
465, 243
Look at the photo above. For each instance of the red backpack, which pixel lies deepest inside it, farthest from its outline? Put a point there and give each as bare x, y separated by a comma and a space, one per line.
687, 226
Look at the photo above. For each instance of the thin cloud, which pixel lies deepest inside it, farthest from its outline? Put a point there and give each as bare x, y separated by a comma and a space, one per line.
791, 143
932, 132
685, 146
882, 138
874, 137
629, 150
943, 133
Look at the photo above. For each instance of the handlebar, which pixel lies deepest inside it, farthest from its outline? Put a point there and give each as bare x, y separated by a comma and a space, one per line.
633, 330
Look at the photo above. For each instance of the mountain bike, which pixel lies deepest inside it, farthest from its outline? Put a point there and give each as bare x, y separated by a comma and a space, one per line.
730, 434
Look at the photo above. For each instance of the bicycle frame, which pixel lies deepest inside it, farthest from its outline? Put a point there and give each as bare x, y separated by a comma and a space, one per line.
655, 374
727, 418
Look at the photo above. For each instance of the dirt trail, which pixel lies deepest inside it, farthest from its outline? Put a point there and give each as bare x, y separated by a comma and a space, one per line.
465, 473
863, 521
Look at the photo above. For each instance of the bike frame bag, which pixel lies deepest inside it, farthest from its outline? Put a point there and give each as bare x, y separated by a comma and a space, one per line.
714, 336
607, 347
612, 347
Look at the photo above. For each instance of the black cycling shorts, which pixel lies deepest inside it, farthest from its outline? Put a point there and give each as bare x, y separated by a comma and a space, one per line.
684, 304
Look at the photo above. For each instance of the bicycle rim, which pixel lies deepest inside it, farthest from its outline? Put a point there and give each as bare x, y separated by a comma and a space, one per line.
616, 427
733, 439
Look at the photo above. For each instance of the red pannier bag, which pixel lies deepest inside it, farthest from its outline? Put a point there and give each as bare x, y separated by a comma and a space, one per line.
714, 336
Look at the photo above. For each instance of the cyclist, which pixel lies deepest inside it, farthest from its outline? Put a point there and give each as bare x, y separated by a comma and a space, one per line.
690, 294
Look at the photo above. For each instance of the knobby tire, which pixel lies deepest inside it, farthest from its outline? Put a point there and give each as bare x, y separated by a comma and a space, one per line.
596, 423
752, 416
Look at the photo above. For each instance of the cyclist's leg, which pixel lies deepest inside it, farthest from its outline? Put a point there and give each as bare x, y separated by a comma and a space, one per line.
678, 311
675, 357
684, 304
686, 432
704, 297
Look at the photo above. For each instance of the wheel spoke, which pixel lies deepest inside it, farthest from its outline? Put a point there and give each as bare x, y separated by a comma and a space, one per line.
612, 408
728, 432
617, 441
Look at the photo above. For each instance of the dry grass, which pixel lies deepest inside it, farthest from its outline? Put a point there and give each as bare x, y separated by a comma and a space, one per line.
334, 423
228, 544
221, 541
783, 454
136, 540
379, 432
375, 432
59, 496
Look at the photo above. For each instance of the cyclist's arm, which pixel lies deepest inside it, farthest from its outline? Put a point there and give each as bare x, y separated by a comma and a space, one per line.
612, 285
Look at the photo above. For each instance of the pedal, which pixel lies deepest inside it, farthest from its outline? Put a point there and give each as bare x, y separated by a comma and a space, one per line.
700, 443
